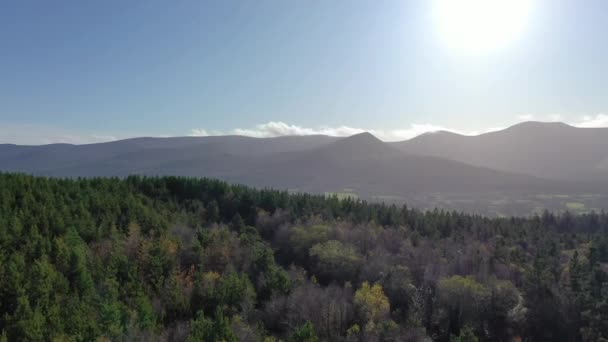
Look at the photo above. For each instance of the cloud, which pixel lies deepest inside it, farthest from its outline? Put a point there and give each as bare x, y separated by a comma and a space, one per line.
526, 117
599, 120
555, 117
279, 128
30, 134
532, 117
199, 132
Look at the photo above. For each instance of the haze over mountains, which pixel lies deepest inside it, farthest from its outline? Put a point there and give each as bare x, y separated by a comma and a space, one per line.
438, 169
548, 150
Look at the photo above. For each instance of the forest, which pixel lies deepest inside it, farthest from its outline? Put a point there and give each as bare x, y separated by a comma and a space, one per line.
189, 259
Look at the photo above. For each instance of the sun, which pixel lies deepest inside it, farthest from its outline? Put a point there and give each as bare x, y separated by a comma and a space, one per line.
481, 26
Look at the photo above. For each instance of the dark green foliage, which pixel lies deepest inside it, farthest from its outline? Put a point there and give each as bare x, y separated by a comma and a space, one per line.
334, 260
304, 333
211, 330
142, 259
466, 335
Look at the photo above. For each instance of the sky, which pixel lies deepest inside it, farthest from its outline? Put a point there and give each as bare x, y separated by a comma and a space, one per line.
87, 71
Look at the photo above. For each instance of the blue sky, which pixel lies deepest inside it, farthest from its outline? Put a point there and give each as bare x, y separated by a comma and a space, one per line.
81, 71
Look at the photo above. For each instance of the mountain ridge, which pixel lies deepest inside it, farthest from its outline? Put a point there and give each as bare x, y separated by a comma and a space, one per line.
429, 166
548, 150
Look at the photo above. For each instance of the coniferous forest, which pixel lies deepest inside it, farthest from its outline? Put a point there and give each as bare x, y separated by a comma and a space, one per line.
185, 259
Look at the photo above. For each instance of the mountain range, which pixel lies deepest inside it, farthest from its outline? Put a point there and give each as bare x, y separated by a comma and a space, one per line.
549, 150
444, 169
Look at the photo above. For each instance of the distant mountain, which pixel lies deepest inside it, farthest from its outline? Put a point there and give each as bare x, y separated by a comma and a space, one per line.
306, 163
142, 155
547, 150
428, 171
372, 168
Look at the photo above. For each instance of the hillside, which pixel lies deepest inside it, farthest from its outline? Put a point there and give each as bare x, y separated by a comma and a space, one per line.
546, 150
413, 172
372, 167
312, 163
141, 155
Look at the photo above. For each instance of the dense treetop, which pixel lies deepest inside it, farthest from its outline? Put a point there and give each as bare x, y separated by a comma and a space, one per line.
176, 259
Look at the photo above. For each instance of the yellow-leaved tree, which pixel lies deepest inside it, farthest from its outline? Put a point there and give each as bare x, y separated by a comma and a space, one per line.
371, 303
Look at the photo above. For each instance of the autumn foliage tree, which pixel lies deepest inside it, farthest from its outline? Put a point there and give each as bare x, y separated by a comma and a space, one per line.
176, 259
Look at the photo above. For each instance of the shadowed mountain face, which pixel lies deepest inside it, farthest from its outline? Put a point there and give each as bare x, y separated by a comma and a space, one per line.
411, 171
142, 155
547, 150
307, 163
372, 167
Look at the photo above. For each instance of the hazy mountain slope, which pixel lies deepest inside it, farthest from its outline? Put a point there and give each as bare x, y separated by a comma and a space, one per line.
548, 150
371, 167
140, 154
312, 163
361, 163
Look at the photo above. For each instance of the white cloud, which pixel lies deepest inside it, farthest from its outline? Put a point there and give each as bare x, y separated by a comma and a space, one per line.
29, 134
279, 128
526, 117
555, 117
199, 132
600, 120
532, 117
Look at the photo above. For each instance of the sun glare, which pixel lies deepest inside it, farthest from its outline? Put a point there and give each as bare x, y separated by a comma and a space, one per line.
480, 26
